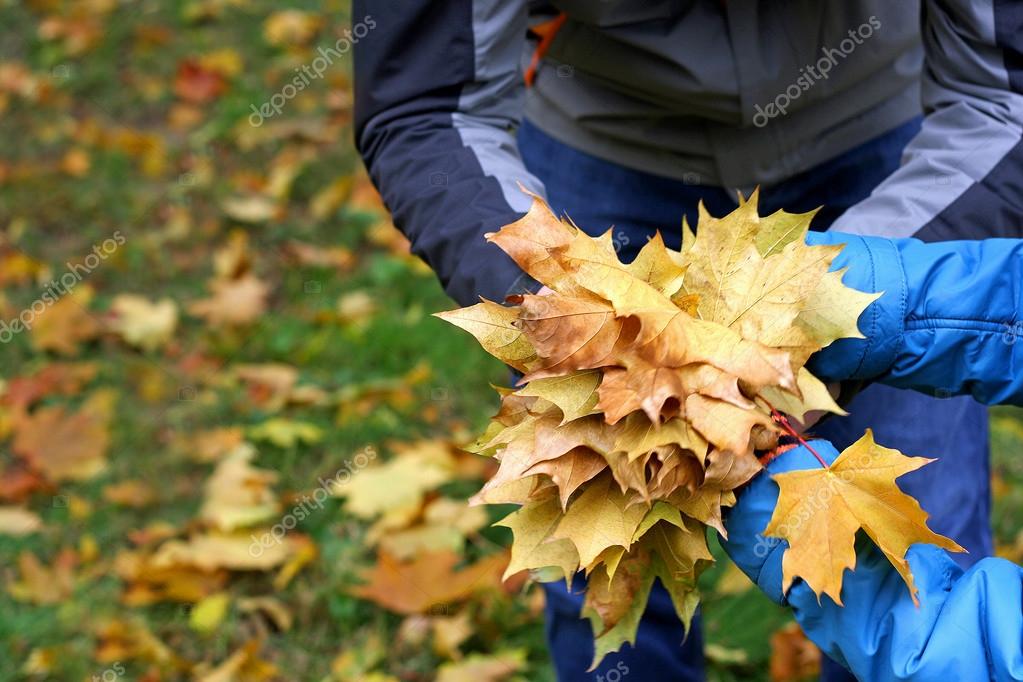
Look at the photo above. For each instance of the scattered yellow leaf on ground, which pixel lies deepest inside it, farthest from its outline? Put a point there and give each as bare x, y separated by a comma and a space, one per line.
64, 324
19, 521
234, 302
40, 584
238, 494
143, 323
483, 668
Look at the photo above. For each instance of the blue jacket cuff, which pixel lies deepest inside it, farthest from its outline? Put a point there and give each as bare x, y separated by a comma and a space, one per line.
871, 265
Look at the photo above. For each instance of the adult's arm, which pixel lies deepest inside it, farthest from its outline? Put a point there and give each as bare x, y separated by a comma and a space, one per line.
962, 175
438, 93
969, 626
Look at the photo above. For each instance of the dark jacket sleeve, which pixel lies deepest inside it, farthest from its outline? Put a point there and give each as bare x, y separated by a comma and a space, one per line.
962, 176
438, 94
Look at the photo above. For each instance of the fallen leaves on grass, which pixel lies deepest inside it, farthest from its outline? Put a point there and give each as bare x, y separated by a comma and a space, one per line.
238, 296
238, 494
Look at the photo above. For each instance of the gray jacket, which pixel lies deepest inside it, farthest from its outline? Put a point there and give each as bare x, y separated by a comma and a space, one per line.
737, 92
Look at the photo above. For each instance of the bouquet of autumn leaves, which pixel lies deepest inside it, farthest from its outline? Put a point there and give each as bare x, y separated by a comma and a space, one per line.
647, 389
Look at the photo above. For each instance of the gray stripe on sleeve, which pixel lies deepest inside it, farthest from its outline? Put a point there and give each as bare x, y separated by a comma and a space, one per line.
974, 120
490, 109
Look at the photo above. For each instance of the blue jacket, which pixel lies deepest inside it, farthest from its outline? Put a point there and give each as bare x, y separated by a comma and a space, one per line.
948, 321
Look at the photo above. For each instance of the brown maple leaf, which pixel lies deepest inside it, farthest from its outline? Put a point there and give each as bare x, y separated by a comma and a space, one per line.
430, 580
66, 445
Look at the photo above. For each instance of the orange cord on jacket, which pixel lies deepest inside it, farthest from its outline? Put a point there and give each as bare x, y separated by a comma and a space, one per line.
547, 32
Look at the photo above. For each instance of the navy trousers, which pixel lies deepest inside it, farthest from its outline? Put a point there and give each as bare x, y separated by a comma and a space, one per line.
955, 490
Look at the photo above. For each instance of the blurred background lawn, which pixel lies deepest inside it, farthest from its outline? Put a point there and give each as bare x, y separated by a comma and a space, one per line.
234, 322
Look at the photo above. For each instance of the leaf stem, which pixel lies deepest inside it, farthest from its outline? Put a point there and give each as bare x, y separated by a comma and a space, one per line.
782, 421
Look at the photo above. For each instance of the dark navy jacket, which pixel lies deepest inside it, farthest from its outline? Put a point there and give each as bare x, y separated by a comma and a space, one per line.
676, 85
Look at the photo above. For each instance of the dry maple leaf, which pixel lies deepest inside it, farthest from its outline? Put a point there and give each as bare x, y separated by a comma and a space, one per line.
196, 83
253, 208
143, 323
428, 581
40, 584
270, 384
211, 551
493, 326
395, 489
616, 597
66, 323
291, 27
19, 521
131, 639
820, 510
483, 668
234, 302
244, 665
66, 445
575, 394
148, 583
130, 493
238, 494
58, 378
534, 548
793, 656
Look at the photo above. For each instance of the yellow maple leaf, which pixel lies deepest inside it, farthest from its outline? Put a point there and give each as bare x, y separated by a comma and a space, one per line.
428, 581
239, 494
575, 394
234, 302
143, 323
493, 326
65, 324
533, 548
599, 518
395, 489
820, 510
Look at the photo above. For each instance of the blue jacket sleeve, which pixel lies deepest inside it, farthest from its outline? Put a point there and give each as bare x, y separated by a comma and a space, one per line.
969, 626
438, 93
960, 176
949, 321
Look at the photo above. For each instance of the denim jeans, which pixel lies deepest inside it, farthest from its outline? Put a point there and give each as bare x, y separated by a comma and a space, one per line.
599, 194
